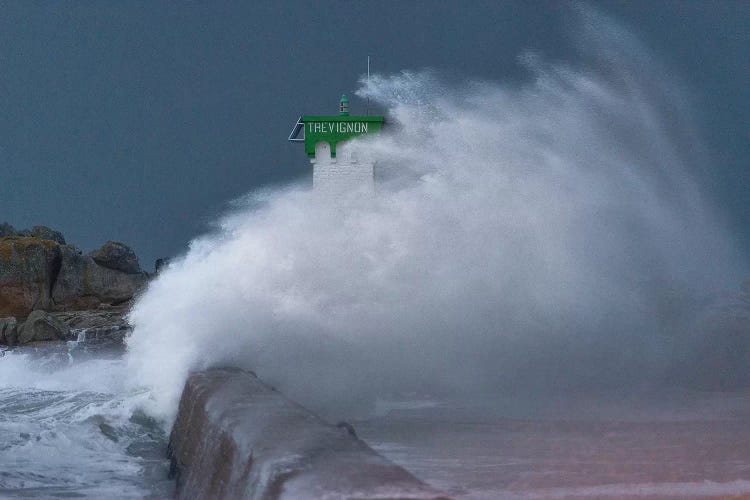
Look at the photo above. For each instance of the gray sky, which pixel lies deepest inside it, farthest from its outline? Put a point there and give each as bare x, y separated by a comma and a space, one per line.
138, 121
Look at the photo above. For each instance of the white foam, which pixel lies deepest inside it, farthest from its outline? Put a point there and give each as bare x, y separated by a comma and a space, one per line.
521, 236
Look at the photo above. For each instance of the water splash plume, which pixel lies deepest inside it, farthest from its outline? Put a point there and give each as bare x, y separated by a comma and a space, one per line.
523, 237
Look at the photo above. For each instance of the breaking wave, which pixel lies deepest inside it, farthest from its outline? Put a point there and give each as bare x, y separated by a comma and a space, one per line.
548, 235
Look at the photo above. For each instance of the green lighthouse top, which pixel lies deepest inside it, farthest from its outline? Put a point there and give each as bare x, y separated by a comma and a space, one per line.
344, 106
333, 129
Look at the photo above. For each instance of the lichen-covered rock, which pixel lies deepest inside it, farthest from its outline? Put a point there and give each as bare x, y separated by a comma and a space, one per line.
40, 326
28, 267
117, 256
84, 284
45, 233
41, 232
8, 331
38, 270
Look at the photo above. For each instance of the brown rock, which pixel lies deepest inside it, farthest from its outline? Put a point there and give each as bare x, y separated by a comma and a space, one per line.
28, 267
40, 326
117, 256
84, 284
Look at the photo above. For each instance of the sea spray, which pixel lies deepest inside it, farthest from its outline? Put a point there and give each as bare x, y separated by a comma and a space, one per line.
69, 427
523, 237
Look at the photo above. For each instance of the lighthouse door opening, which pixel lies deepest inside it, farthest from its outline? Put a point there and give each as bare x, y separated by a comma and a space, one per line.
322, 151
343, 174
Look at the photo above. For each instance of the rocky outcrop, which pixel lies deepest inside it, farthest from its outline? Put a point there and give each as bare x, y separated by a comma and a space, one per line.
41, 232
82, 283
117, 256
39, 270
28, 269
236, 437
104, 317
105, 323
40, 326
8, 331
45, 233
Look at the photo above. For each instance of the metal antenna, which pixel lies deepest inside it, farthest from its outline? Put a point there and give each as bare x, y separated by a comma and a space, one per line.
368, 86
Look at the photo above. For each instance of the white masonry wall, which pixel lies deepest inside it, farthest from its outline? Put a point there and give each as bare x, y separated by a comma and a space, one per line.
345, 173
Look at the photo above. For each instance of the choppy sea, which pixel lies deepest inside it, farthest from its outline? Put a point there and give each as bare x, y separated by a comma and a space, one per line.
70, 429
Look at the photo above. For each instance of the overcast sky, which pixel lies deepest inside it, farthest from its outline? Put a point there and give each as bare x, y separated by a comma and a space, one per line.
139, 121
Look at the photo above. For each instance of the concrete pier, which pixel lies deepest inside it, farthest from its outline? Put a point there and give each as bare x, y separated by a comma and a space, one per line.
236, 437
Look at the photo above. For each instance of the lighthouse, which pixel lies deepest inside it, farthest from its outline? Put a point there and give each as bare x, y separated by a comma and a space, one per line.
336, 171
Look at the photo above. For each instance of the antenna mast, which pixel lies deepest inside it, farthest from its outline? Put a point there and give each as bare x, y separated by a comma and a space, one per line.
368, 86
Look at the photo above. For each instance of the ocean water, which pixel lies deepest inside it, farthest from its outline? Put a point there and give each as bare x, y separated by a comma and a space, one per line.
679, 445
69, 428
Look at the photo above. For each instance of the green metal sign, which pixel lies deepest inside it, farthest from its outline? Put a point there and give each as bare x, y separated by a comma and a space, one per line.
334, 129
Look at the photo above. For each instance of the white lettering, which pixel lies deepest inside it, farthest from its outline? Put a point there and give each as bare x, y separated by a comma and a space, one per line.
338, 127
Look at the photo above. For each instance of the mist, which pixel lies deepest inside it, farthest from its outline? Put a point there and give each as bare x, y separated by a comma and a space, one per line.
535, 237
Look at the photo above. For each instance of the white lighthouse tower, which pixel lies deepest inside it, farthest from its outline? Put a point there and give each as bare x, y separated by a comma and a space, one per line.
335, 168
